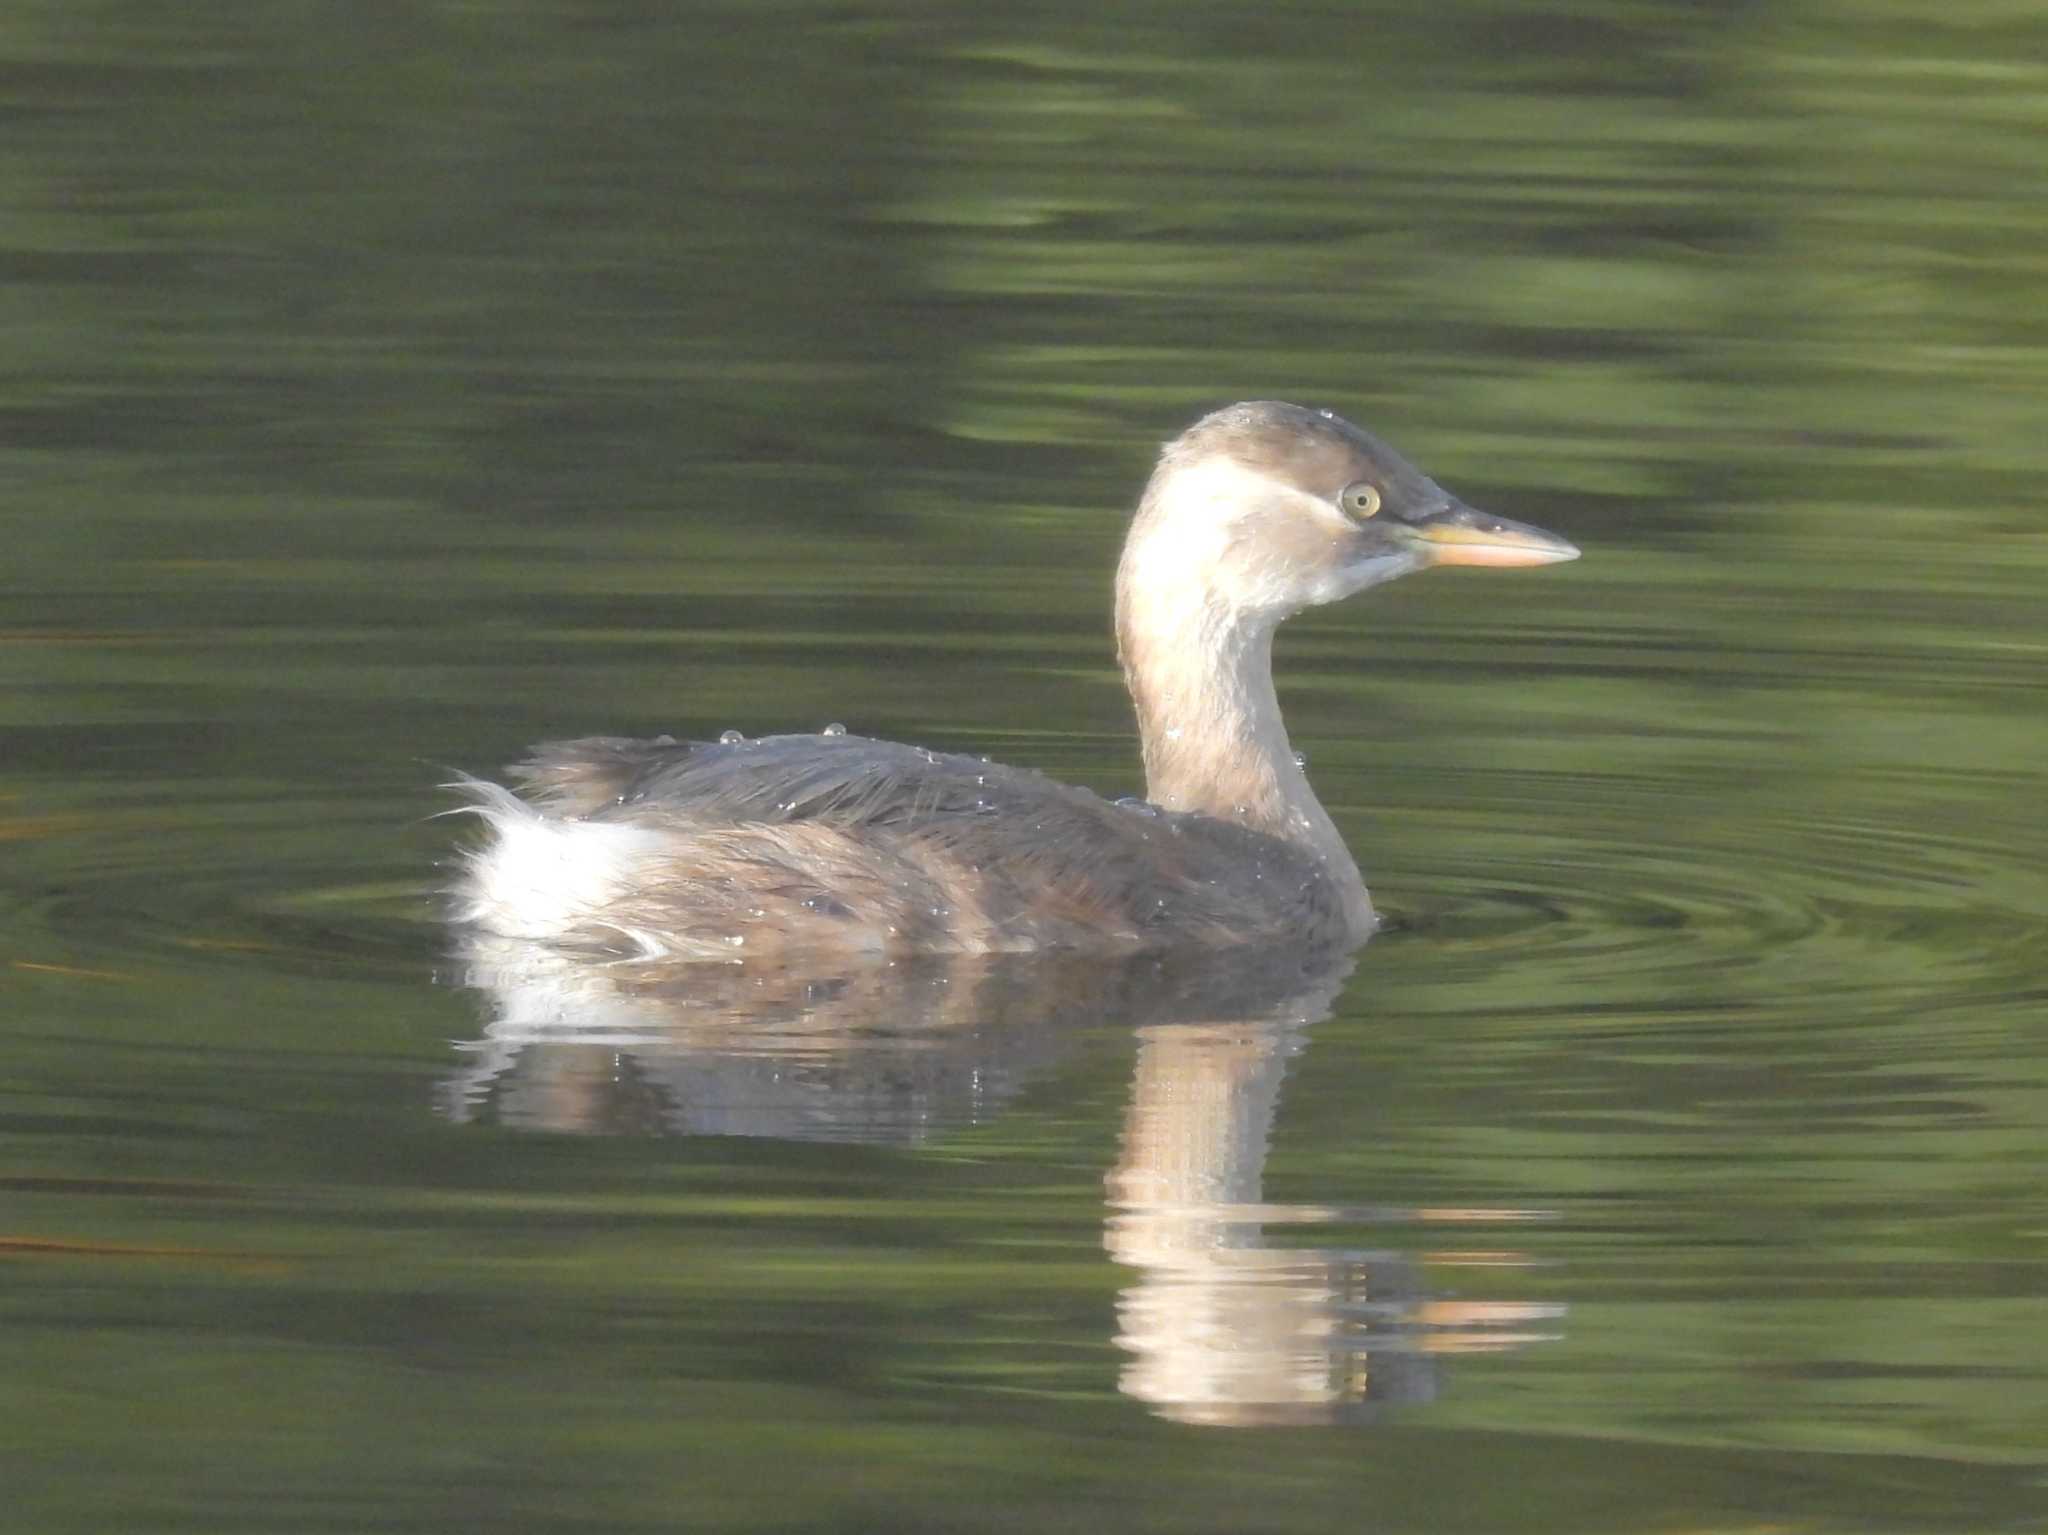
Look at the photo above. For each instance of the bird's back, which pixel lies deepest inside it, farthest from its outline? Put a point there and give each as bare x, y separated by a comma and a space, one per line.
724, 848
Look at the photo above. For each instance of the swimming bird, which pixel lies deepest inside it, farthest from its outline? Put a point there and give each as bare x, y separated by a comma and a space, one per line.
683, 850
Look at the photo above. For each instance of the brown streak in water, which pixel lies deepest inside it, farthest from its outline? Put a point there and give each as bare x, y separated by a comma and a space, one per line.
57, 1247
73, 970
78, 637
152, 1188
36, 827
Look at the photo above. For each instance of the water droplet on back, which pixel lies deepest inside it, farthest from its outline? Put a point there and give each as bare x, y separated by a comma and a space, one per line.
833, 729
1301, 759
731, 738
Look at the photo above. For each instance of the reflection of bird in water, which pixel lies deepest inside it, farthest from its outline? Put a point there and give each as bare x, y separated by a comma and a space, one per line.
801, 843
837, 1047
1233, 1309
1222, 1323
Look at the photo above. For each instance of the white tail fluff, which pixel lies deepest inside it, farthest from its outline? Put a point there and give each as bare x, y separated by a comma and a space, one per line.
544, 878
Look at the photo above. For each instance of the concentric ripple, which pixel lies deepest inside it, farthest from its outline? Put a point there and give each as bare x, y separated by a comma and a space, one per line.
1650, 895
302, 886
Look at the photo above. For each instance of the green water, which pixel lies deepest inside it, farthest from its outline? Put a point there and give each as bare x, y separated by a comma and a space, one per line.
389, 387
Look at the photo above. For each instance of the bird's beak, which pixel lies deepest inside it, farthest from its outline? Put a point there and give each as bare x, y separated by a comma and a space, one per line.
1458, 535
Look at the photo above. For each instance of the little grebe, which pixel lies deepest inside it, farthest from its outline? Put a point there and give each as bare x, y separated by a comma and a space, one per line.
727, 849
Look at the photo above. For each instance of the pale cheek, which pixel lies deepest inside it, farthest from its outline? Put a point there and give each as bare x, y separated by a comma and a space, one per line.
1278, 588
1274, 592
1286, 560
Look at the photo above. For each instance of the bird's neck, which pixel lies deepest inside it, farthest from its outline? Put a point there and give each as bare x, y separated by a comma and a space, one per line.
1214, 743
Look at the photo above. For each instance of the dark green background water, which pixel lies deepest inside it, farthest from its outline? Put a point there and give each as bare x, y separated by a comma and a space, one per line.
387, 386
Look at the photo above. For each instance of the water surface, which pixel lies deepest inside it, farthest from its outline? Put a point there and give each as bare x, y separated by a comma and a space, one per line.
382, 398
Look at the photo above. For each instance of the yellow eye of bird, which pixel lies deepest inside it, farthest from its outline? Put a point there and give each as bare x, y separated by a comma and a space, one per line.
1361, 500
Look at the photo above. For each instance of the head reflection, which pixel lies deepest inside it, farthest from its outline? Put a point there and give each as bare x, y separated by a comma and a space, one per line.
1221, 1322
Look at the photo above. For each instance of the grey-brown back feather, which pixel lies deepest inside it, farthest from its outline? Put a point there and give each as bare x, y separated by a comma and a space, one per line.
794, 839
